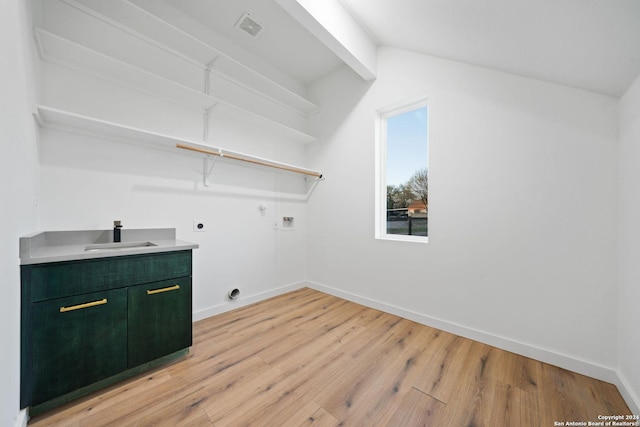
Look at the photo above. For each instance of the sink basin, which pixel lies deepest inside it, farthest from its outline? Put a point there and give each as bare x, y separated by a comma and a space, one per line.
116, 246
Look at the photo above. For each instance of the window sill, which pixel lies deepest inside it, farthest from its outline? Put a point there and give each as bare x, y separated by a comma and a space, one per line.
403, 238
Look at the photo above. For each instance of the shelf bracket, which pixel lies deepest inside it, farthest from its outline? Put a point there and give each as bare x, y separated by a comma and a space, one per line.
207, 76
205, 122
208, 162
313, 185
207, 91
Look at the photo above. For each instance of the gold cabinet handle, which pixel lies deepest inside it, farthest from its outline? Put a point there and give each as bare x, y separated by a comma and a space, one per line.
157, 291
81, 306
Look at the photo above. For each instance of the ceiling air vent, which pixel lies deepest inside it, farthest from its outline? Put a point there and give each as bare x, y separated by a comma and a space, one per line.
248, 25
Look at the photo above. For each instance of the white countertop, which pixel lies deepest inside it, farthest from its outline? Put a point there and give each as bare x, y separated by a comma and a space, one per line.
57, 246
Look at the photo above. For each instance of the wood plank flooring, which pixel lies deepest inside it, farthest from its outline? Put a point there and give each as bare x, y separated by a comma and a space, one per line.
310, 359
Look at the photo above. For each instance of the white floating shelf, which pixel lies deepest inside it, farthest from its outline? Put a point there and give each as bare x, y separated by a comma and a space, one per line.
71, 122
194, 37
61, 51
54, 118
256, 121
67, 53
155, 24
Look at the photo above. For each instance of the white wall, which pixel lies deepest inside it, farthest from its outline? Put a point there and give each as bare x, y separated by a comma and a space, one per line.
87, 182
522, 245
18, 189
629, 235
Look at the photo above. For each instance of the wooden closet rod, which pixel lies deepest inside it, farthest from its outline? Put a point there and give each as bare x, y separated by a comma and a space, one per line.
249, 160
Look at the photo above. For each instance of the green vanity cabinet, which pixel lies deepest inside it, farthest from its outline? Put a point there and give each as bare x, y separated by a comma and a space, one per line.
89, 323
77, 341
159, 319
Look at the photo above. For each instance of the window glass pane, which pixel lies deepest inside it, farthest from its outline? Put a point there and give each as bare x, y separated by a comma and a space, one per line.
406, 173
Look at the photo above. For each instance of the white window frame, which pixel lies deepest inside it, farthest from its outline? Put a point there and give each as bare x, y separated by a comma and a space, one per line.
381, 166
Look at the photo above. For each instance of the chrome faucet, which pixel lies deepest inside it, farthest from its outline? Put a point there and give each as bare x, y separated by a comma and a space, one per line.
117, 235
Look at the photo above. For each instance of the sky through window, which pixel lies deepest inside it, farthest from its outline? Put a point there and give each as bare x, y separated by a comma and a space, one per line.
406, 145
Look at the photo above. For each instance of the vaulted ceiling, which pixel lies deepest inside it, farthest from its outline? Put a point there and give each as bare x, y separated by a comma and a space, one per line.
587, 44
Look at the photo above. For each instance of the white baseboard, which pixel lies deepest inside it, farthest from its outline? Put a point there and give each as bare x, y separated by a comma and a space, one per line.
632, 399
245, 300
21, 419
570, 363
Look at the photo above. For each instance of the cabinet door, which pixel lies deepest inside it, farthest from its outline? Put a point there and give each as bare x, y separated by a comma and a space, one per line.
159, 319
77, 341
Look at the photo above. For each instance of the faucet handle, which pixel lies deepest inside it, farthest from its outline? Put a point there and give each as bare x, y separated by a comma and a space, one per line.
117, 224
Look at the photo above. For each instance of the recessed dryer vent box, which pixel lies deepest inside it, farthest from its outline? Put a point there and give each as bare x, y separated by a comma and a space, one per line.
288, 223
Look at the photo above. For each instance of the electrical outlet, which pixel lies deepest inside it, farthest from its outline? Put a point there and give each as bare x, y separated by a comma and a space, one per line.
288, 223
199, 226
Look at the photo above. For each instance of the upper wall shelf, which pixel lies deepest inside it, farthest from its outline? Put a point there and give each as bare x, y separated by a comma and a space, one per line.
54, 118
67, 121
157, 24
61, 51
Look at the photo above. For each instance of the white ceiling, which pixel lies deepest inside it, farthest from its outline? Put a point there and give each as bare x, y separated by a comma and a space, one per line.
587, 44
283, 42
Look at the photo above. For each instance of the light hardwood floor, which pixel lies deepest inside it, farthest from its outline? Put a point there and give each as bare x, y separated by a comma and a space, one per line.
310, 359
